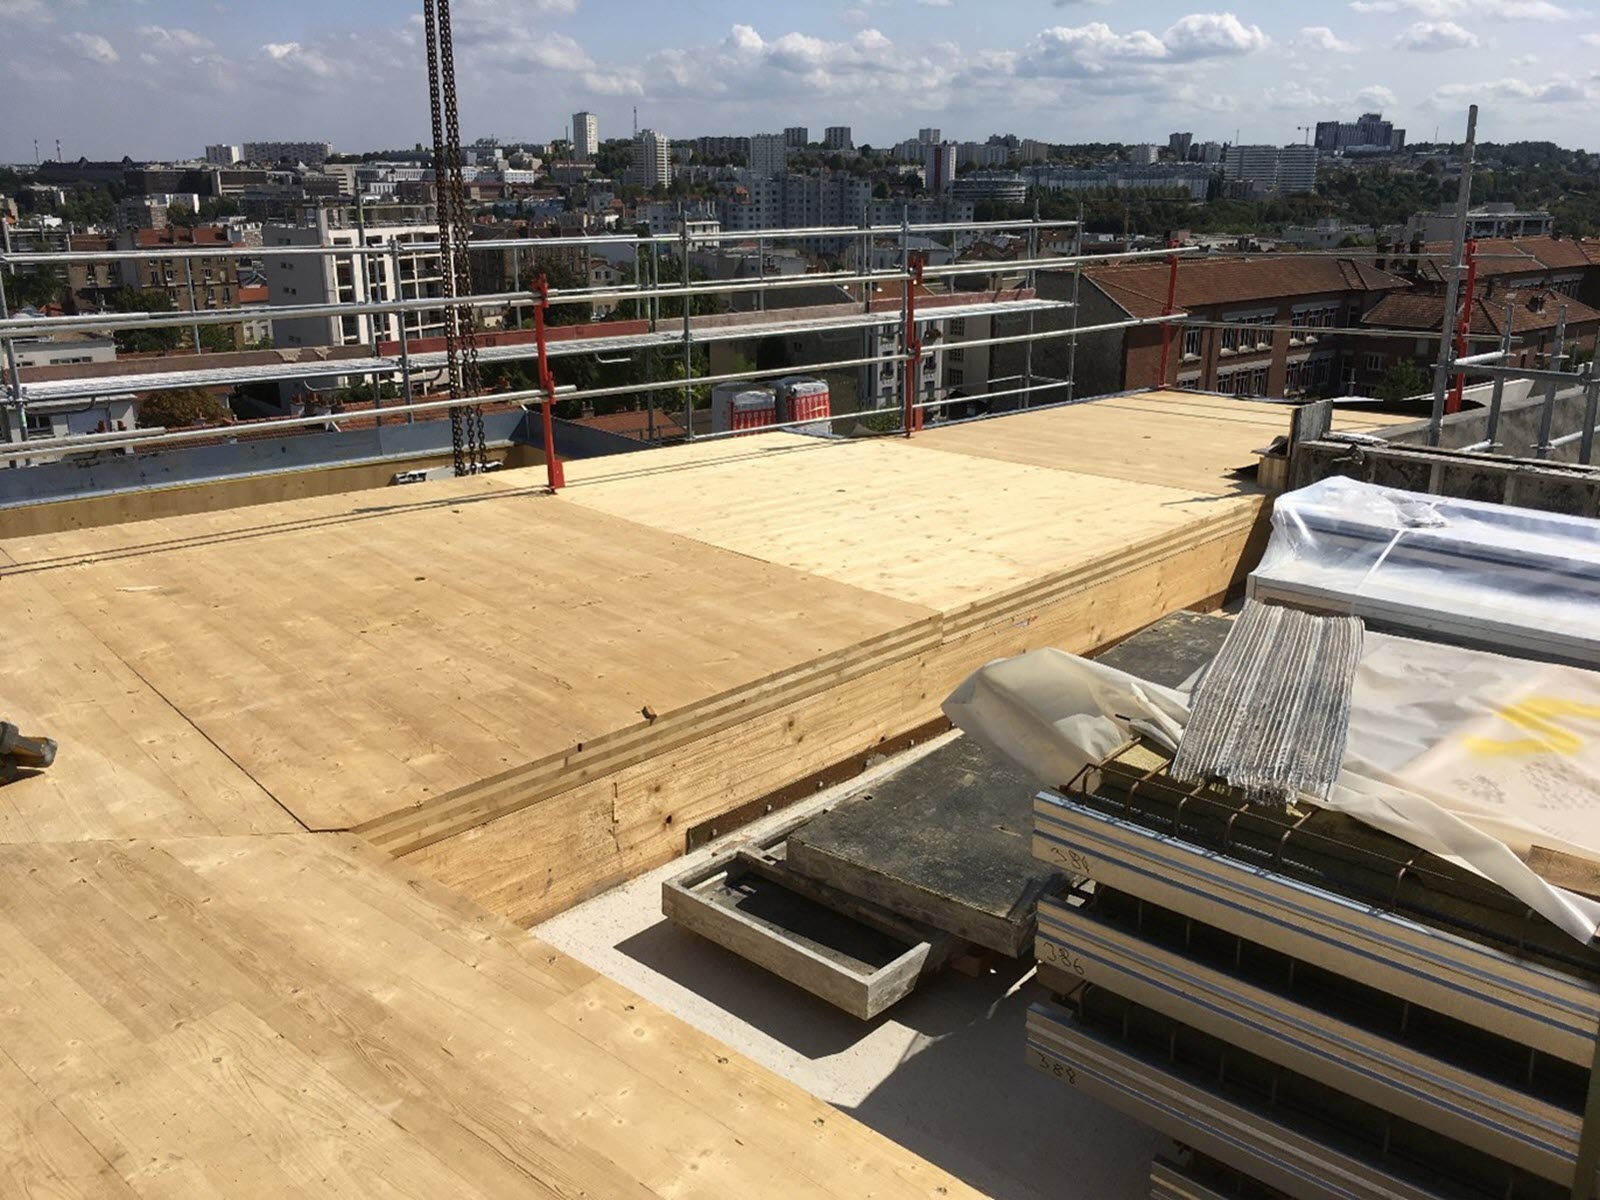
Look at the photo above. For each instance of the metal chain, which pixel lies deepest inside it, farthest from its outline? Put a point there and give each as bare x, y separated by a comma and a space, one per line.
467, 437
459, 272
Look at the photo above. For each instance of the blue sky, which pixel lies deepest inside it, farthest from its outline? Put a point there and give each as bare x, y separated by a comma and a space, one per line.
161, 78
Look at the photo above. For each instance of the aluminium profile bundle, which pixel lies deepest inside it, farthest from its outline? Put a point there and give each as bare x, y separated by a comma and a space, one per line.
1272, 713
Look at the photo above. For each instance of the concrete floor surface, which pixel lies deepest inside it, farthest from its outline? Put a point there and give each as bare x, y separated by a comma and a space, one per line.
942, 1073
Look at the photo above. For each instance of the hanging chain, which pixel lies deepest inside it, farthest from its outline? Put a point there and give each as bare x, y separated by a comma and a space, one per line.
468, 442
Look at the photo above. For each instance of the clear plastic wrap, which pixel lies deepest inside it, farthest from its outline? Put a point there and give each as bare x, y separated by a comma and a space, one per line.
1474, 756
1504, 579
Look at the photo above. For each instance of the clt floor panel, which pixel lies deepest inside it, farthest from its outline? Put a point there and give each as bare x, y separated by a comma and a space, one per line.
296, 1016
218, 979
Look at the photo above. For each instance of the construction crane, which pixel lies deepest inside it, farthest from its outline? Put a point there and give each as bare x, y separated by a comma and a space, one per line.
467, 440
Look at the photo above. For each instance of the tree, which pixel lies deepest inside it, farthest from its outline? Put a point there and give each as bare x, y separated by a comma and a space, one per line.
1402, 381
182, 407
218, 339
562, 276
35, 288
159, 340
218, 208
182, 216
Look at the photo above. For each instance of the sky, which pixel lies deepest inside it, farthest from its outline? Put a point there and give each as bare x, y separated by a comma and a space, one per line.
163, 78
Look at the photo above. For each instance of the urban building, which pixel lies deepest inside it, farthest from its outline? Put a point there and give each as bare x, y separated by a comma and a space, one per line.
1179, 145
722, 147
148, 212
982, 154
1210, 153
1144, 155
1256, 172
938, 166
65, 349
1489, 221
652, 160
313, 154
1368, 134
1551, 264
769, 155
932, 134
208, 283
1195, 181
1327, 234
224, 155
585, 135
1535, 312
1032, 150
1005, 187
1265, 325
838, 137
398, 274
797, 137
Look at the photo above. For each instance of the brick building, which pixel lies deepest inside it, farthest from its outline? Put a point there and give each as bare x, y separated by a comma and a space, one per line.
1265, 325
1535, 313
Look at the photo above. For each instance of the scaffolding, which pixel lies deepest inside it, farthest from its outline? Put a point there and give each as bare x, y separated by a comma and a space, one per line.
915, 305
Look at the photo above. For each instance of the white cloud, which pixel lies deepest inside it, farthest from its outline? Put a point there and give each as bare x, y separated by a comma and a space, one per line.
293, 55
91, 46
935, 3
1087, 50
1516, 10
1560, 89
1320, 37
1376, 97
28, 12
1591, 39
1211, 35
174, 40
1430, 37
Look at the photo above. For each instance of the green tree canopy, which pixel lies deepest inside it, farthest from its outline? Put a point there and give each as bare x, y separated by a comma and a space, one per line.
182, 407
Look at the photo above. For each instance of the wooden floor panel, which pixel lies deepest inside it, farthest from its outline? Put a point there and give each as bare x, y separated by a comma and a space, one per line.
294, 1016
355, 658
896, 518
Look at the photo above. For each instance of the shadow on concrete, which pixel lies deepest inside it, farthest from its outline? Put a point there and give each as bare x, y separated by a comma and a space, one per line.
785, 1013
967, 1101
964, 1099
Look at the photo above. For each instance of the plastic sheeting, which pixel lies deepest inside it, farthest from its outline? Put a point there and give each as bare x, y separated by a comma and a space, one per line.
1489, 575
1470, 755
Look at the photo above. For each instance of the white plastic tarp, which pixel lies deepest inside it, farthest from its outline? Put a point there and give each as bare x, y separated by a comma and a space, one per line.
1473, 756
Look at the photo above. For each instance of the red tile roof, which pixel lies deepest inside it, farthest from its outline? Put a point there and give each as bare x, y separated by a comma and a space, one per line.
1511, 256
1141, 288
1535, 309
634, 424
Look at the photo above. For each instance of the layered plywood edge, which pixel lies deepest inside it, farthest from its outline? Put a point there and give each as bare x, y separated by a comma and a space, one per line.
533, 698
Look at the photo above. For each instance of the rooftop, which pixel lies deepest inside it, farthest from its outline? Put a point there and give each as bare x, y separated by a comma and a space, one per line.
1141, 288
1533, 309
233, 961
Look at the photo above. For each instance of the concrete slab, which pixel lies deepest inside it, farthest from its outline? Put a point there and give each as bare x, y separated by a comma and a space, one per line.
943, 1073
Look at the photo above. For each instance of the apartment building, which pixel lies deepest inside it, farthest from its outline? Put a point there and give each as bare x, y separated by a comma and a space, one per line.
1263, 325
396, 273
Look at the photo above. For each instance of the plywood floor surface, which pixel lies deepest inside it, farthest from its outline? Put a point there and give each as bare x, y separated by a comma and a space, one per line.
291, 1016
356, 654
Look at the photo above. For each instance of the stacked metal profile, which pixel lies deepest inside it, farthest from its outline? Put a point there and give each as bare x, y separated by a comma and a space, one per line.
1304, 1000
1272, 713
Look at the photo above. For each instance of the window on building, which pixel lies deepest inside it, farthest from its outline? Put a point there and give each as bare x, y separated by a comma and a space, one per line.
39, 425
1230, 339
956, 354
1258, 382
954, 377
1191, 342
1373, 362
958, 327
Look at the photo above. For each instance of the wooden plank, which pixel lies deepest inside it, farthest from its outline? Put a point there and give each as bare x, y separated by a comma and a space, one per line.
130, 764
846, 958
372, 660
544, 857
41, 1154
294, 1016
932, 528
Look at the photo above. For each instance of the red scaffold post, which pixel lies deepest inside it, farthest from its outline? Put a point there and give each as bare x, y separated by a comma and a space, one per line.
547, 384
913, 414
1464, 326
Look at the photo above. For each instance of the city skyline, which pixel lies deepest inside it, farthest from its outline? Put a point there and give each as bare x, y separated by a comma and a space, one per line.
113, 80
